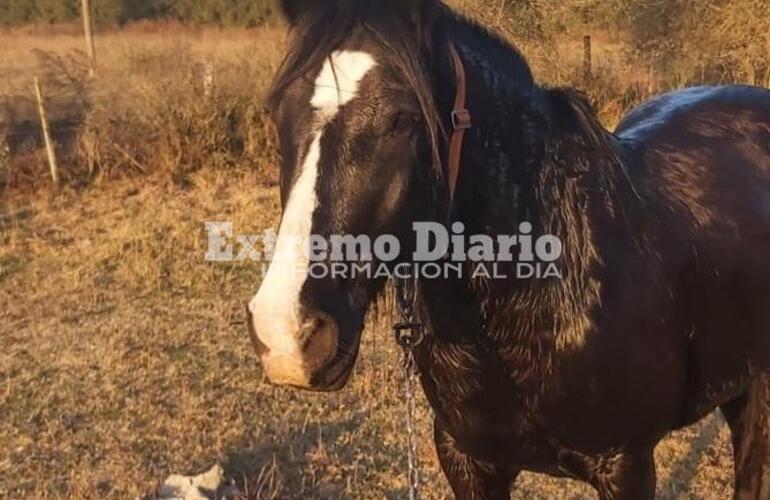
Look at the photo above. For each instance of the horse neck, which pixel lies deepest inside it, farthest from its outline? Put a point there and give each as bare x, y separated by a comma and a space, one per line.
537, 156
499, 151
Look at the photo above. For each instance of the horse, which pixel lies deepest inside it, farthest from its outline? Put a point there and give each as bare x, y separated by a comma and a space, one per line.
661, 314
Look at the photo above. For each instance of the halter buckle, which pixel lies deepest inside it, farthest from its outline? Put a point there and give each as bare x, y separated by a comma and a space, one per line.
461, 119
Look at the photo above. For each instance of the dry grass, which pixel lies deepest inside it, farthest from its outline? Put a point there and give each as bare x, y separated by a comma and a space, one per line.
125, 359
123, 353
150, 108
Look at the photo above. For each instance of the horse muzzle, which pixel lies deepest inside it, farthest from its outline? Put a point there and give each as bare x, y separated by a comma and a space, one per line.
311, 358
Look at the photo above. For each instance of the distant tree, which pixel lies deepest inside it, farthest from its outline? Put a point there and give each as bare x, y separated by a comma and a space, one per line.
223, 12
702, 41
107, 11
16, 11
26, 11
52, 11
123, 11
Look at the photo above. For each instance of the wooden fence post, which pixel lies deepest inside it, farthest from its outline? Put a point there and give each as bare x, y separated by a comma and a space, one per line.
208, 78
47, 134
88, 30
587, 59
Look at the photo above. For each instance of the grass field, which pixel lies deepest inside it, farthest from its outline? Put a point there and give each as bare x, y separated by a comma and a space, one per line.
125, 359
124, 356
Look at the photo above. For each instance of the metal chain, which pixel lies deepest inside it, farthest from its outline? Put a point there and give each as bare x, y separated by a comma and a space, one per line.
409, 335
406, 291
413, 463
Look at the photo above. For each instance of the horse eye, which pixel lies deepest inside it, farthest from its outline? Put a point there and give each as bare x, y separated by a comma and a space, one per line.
405, 123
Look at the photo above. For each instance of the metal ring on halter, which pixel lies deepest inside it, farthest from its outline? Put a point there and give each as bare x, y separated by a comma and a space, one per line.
408, 335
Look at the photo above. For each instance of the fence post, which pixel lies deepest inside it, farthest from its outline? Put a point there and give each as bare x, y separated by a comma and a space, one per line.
208, 78
88, 30
47, 134
587, 59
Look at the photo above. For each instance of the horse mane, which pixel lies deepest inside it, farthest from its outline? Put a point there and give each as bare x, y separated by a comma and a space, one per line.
575, 121
581, 177
575, 115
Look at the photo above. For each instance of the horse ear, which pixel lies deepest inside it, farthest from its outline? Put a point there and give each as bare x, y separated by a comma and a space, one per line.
294, 10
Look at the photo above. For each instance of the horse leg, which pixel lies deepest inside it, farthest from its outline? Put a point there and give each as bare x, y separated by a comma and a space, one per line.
469, 478
749, 419
625, 476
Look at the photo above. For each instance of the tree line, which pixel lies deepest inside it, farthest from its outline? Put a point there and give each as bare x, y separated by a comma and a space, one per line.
223, 12
719, 38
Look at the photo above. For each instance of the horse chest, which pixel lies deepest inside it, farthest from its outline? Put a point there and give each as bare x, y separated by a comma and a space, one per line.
472, 395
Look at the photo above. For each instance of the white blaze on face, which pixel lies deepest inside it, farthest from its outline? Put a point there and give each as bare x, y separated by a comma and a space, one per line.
276, 307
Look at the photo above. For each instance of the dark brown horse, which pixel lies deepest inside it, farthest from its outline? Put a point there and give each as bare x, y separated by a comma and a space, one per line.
663, 311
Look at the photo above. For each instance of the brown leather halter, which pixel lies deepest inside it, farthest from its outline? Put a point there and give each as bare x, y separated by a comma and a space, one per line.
461, 121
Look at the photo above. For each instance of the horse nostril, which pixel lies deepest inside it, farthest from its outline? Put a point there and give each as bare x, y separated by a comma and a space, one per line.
319, 323
321, 337
261, 348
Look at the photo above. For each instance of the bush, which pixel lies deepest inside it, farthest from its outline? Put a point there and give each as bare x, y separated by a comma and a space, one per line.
27, 11
156, 106
689, 41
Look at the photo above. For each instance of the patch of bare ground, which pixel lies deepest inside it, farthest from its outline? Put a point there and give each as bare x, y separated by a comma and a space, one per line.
124, 359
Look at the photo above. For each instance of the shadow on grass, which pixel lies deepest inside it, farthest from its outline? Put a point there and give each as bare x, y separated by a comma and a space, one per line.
682, 476
303, 463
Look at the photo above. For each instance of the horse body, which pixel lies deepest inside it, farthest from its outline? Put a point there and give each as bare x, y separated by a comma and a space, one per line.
681, 323
662, 313
708, 152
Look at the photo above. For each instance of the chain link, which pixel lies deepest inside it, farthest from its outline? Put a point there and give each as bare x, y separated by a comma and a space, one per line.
413, 464
409, 335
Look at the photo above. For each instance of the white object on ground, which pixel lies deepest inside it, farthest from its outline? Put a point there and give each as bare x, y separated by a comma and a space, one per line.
209, 485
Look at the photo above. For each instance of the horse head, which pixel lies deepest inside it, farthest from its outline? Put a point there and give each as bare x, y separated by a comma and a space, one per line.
357, 107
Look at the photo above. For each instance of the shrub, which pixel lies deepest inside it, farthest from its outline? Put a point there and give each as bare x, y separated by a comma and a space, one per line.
156, 106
